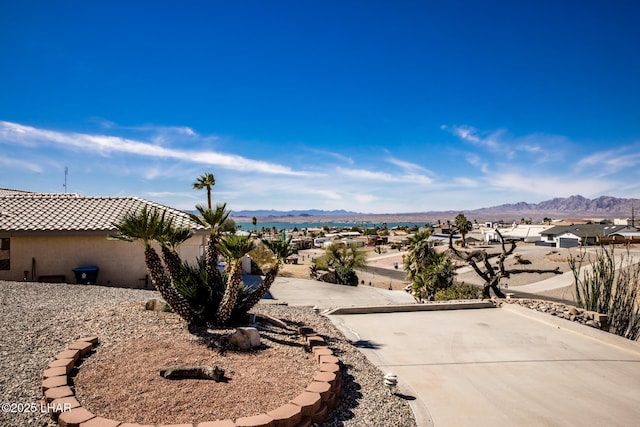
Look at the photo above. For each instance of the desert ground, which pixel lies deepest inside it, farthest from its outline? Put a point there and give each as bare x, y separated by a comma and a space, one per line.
381, 269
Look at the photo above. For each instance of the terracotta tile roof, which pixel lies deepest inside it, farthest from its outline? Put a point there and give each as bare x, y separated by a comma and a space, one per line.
7, 191
73, 212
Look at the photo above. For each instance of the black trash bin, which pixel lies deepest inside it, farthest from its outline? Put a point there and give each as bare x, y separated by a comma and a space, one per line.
86, 275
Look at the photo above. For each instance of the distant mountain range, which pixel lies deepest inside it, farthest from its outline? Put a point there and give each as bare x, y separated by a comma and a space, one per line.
560, 207
295, 213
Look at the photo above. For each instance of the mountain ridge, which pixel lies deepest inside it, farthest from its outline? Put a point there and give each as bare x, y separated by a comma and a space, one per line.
575, 205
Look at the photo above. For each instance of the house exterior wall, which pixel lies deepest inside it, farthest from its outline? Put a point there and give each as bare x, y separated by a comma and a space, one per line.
119, 263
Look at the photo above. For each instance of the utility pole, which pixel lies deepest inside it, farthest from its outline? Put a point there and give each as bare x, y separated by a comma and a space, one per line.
66, 172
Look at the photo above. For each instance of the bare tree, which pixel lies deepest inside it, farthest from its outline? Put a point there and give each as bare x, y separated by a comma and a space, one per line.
479, 260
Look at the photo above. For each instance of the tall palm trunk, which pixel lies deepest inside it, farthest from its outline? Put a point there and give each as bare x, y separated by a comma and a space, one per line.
263, 287
163, 284
173, 262
212, 255
230, 293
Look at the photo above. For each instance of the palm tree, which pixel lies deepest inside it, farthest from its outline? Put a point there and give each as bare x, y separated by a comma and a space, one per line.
427, 269
418, 255
464, 226
169, 239
144, 227
280, 249
207, 181
214, 221
344, 260
234, 249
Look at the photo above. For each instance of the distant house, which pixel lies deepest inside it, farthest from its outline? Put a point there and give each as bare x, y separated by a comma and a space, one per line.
521, 232
44, 237
569, 236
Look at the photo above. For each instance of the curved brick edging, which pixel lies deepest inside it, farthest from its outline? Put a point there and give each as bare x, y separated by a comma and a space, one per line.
310, 407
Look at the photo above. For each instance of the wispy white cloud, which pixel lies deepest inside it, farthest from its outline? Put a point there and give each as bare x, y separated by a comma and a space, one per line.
538, 147
368, 175
548, 186
612, 161
338, 156
466, 182
105, 145
17, 164
409, 166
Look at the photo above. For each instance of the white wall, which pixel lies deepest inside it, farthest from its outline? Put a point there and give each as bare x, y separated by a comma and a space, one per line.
119, 263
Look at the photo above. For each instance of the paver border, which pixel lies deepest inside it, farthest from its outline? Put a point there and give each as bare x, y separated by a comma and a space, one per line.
311, 406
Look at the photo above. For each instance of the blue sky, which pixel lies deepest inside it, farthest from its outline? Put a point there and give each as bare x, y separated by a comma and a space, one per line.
369, 106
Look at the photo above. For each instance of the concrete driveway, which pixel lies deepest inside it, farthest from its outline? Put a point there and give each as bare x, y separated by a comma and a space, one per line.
502, 367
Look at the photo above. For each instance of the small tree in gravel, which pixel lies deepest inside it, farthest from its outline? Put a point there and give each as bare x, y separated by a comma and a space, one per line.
201, 293
609, 288
480, 261
344, 259
428, 270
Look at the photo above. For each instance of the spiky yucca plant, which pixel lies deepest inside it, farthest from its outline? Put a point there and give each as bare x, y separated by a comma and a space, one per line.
144, 227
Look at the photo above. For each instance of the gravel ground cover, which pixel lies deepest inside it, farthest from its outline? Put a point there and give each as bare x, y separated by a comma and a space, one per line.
39, 320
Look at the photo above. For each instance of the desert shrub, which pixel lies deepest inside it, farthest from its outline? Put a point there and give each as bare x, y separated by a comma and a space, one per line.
610, 288
202, 291
346, 276
459, 291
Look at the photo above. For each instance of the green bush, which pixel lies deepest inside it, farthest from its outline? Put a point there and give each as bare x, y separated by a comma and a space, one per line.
459, 291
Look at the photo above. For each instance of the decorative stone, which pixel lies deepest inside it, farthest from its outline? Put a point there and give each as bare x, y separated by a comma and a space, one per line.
327, 377
314, 341
82, 346
69, 354
286, 415
245, 338
324, 358
193, 372
156, 305
135, 425
219, 423
57, 392
93, 339
321, 388
308, 402
52, 382
320, 351
74, 417
67, 364
54, 372
260, 420
100, 422
329, 367
57, 406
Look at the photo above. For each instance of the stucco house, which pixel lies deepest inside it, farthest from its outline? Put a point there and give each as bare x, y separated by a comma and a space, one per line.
44, 237
569, 236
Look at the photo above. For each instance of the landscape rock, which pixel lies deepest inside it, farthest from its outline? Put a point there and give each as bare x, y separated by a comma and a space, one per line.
156, 305
245, 338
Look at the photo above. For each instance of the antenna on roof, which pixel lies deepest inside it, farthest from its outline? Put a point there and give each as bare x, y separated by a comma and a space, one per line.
66, 172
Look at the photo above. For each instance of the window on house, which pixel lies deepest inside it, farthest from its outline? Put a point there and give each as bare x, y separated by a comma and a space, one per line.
4, 253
